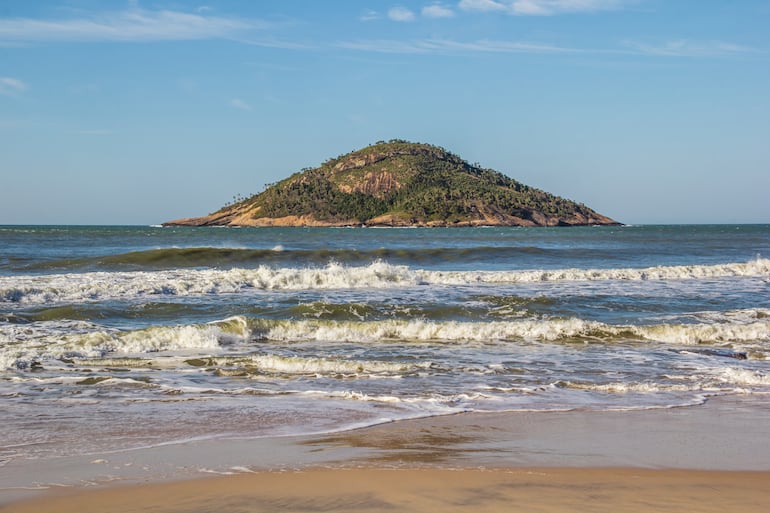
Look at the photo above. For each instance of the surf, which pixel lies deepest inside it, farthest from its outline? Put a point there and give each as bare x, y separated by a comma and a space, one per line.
96, 286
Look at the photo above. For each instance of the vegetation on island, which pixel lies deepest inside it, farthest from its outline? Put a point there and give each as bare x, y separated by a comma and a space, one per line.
399, 183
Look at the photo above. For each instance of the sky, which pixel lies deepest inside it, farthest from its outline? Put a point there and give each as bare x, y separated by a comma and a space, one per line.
143, 111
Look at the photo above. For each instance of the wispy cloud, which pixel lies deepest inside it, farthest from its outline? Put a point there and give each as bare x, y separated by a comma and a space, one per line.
552, 7
482, 5
686, 48
401, 14
133, 24
680, 48
271, 42
486, 45
445, 46
437, 10
370, 15
540, 7
240, 104
386, 46
10, 86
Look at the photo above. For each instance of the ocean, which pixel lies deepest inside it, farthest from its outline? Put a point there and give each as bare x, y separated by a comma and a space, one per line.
116, 338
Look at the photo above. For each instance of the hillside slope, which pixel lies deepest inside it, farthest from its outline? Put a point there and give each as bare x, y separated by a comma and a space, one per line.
399, 183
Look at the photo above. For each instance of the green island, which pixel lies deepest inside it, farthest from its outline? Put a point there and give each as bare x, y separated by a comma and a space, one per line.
400, 183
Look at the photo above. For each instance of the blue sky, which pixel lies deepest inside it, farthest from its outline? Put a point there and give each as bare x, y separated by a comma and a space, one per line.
137, 112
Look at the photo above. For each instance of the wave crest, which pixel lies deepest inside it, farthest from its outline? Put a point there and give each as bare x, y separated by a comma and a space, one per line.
96, 286
545, 330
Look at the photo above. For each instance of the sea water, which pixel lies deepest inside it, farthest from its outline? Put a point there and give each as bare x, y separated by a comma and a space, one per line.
114, 338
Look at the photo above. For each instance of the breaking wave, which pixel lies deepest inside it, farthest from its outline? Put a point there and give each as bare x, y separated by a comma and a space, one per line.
21, 346
56, 340
758, 267
546, 330
94, 286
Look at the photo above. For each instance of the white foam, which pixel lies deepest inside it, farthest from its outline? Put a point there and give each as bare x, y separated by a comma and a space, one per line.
538, 330
436, 403
640, 388
420, 330
271, 363
743, 377
299, 365
758, 268
77, 339
691, 334
51, 340
105, 285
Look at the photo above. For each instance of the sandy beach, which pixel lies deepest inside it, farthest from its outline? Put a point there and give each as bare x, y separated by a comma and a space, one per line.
547, 490
706, 458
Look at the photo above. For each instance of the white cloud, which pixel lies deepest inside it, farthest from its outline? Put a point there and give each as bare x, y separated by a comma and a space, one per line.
437, 10
9, 85
481, 5
133, 24
446, 46
400, 14
685, 48
240, 104
539, 7
681, 48
530, 7
551, 7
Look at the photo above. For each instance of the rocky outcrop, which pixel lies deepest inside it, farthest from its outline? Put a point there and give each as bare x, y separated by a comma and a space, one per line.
378, 185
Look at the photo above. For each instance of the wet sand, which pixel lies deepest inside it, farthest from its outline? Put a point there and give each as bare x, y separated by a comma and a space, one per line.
530, 490
713, 457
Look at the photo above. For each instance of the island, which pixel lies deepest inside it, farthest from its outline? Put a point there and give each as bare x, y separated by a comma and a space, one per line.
400, 184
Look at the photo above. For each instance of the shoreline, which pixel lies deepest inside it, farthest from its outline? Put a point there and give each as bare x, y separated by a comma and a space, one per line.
722, 438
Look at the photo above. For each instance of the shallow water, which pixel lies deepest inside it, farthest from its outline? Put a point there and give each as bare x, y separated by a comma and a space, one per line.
121, 337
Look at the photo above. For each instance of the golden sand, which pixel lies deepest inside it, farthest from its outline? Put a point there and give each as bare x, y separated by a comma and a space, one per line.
431, 490
633, 461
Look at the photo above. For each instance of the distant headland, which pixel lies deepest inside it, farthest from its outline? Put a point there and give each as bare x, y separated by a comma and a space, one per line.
399, 183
